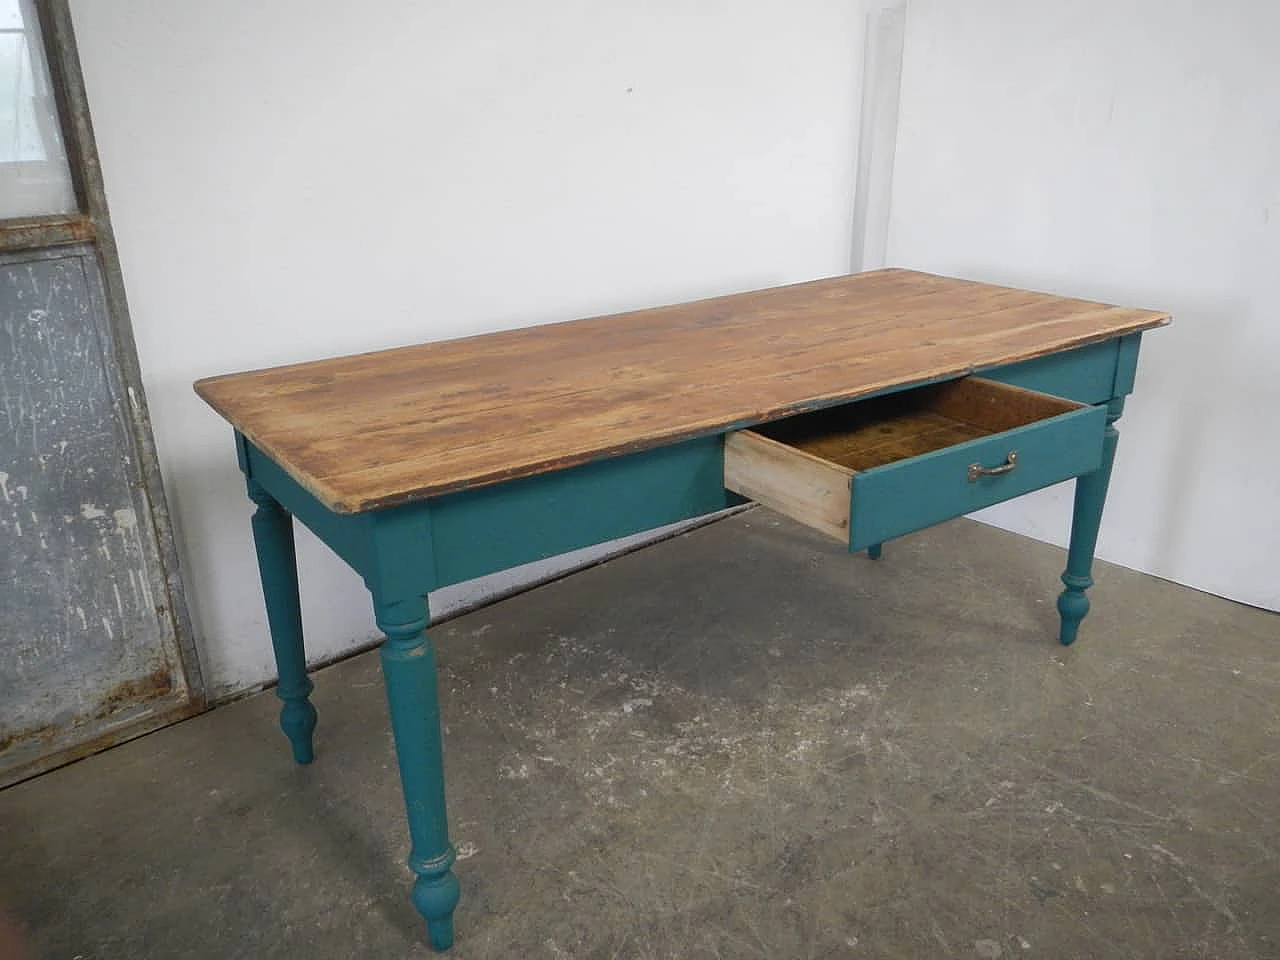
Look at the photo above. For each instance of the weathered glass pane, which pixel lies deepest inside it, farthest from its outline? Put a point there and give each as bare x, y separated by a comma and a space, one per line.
34, 178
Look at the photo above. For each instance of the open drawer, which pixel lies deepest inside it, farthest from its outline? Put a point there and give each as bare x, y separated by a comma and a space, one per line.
871, 470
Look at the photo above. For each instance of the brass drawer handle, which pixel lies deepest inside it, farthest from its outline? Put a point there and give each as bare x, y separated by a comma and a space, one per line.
977, 470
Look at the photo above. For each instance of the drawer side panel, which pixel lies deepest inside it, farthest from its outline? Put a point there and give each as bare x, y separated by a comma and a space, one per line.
794, 483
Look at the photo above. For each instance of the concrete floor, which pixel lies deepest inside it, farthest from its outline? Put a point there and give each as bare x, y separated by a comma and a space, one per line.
739, 743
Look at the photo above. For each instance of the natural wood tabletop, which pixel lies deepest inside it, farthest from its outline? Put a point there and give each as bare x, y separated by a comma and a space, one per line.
378, 429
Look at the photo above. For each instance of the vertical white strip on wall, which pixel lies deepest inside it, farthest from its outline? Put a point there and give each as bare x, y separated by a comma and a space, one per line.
885, 35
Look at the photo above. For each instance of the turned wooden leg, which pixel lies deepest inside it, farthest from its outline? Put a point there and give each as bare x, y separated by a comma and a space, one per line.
277, 565
1086, 518
409, 671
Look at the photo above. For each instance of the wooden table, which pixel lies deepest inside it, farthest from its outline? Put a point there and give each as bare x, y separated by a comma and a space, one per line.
429, 465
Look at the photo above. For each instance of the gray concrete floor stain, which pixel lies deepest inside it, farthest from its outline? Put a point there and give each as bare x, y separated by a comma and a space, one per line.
742, 742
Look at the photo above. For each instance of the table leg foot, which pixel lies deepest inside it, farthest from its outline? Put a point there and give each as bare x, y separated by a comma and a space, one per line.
436, 898
1073, 606
298, 721
875, 550
278, 568
409, 670
1086, 519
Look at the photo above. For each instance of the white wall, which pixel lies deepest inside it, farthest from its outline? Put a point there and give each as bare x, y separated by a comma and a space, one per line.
1124, 150
304, 178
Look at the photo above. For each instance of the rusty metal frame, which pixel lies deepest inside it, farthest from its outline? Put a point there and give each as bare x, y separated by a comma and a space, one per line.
39, 233
93, 225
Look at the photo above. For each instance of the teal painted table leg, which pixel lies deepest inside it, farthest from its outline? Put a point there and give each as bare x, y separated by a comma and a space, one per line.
1086, 518
409, 671
875, 551
277, 565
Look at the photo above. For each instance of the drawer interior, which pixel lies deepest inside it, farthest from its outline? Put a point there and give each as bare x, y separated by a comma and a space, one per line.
882, 430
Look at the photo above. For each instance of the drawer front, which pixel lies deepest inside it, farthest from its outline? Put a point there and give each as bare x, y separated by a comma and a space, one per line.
912, 494
865, 474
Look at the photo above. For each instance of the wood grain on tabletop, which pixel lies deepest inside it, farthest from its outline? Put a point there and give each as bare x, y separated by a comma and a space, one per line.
378, 429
